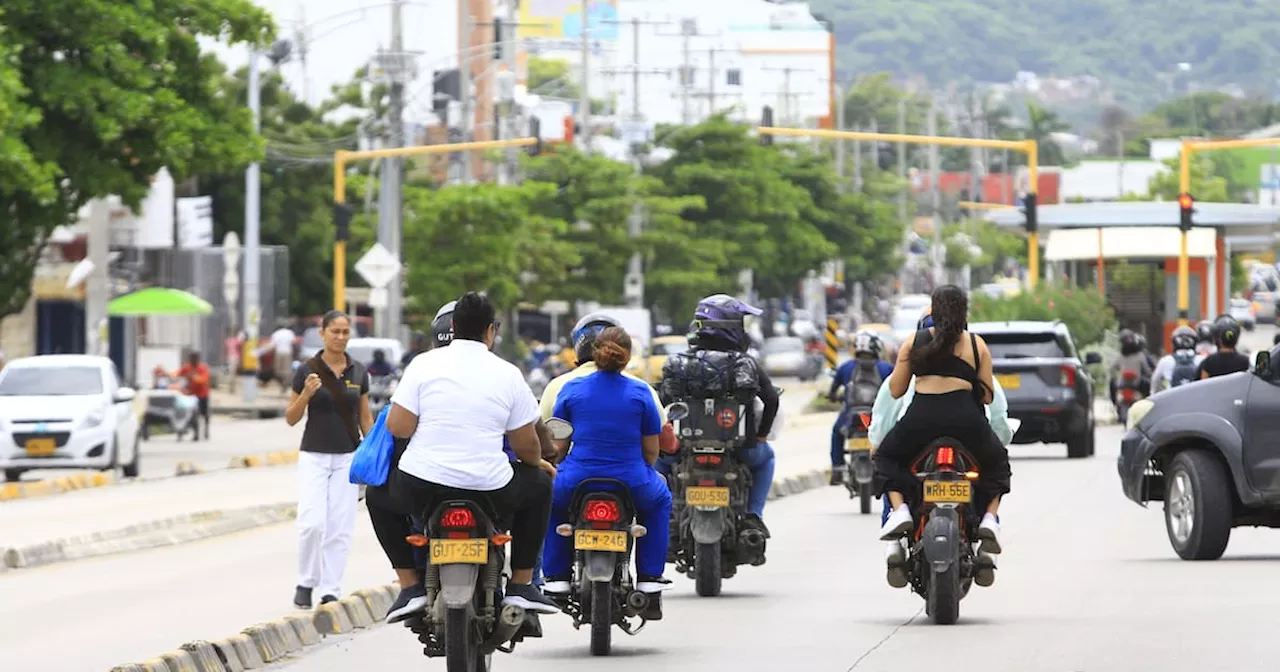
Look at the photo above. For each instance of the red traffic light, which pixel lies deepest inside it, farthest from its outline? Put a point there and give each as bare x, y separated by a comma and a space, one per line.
1185, 201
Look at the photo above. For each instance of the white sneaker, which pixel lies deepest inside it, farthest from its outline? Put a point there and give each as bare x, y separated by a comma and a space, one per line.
989, 535
895, 556
984, 569
898, 524
557, 587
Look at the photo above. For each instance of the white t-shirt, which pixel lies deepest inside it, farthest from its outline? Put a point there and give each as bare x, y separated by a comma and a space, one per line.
282, 339
466, 399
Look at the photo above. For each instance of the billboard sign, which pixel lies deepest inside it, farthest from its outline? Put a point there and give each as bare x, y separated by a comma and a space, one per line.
562, 19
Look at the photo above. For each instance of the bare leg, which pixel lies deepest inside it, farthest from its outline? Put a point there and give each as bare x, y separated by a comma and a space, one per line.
521, 576
993, 508
896, 499
407, 578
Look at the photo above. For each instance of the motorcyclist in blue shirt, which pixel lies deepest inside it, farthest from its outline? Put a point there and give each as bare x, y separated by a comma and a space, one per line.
867, 347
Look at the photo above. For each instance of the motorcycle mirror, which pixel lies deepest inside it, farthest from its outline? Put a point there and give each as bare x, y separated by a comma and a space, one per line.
780, 390
560, 429
1262, 364
677, 411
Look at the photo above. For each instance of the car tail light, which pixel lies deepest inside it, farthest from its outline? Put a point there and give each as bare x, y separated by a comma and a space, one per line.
1068, 376
946, 456
457, 518
602, 511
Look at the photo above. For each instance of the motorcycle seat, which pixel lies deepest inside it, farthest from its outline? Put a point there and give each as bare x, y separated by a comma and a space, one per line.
610, 485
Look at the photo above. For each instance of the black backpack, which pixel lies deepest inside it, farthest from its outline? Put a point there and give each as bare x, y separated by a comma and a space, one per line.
864, 384
720, 389
1184, 368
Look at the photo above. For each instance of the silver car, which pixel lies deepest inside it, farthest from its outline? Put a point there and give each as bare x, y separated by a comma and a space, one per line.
786, 356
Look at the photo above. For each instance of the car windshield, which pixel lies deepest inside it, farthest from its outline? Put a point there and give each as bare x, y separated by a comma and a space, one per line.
364, 353
43, 381
776, 346
1017, 346
670, 348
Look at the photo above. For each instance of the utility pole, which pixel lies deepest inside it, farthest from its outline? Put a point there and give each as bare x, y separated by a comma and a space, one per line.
787, 95
712, 70
584, 99
902, 196
97, 287
252, 227
840, 143
687, 28
506, 122
935, 174
395, 63
464, 88
635, 70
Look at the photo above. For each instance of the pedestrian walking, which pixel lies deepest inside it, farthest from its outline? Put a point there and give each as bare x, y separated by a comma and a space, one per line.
197, 374
332, 390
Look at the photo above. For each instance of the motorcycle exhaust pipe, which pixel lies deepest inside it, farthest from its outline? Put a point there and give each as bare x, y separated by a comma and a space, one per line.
509, 621
637, 602
752, 539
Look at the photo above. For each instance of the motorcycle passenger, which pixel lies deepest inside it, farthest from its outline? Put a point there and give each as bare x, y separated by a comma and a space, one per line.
454, 405
1132, 359
861, 378
616, 425
380, 366
719, 328
954, 383
418, 344
1180, 366
584, 338
1226, 360
1204, 332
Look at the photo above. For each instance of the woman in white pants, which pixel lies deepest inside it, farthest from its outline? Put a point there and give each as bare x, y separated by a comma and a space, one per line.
332, 390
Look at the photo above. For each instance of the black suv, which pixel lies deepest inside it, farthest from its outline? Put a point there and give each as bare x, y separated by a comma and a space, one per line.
1047, 386
1210, 450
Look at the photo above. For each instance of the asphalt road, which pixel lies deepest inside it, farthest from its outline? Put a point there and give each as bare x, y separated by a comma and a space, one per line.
1087, 582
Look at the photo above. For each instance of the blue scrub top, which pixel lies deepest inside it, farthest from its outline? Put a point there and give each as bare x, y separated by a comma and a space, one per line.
609, 412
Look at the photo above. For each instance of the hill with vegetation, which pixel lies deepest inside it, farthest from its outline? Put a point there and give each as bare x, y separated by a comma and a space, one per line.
1133, 46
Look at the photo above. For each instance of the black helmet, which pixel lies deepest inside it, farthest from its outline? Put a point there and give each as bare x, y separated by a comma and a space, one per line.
1204, 331
1129, 342
1184, 338
585, 332
442, 326
1226, 331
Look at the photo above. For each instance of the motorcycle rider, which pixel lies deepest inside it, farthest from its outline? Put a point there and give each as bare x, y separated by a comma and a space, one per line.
418, 344
1180, 366
720, 336
954, 383
380, 366
1132, 358
860, 376
886, 412
1204, 332
1226, 360
616, 422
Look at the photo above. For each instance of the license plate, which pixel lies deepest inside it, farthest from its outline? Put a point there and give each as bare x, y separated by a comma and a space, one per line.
459, 551
948, 492
858, 443
697, 496
600, 540
41, 447
1009, 381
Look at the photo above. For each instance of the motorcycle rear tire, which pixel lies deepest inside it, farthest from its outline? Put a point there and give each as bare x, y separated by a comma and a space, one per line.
461, 650
864, 497
943, 599
707, 574
601, 618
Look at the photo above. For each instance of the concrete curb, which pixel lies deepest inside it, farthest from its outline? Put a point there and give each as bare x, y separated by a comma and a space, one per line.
165, 532
264, 644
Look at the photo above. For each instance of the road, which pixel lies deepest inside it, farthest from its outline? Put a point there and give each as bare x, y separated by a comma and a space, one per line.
1088, 582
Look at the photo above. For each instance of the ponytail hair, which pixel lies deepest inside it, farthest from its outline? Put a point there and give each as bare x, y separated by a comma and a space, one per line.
950, 312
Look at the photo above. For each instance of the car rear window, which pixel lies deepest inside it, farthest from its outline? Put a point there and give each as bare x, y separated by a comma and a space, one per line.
41, 381
1017, 346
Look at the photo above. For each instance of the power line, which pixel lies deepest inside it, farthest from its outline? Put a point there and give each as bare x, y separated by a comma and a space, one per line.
635, 71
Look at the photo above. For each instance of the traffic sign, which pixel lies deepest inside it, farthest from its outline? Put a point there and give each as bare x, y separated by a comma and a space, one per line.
378, 298
378, 266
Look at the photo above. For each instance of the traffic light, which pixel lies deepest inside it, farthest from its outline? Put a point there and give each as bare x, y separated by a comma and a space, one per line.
535, 130
342, 222
1033, 223
766, 119
1186, 204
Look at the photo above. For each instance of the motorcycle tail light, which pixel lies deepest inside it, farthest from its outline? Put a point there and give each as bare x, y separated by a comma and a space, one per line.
1129, 376
865, 419
946, 456
1127, 395
602, 511
457, 518
1068, 376
707, 459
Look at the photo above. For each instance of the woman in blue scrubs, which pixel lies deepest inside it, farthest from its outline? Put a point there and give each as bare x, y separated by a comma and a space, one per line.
616, 424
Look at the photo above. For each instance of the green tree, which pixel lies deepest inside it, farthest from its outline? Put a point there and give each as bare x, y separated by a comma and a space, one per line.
98, 109
1085, 312
998, 247
1205, 185
551, 78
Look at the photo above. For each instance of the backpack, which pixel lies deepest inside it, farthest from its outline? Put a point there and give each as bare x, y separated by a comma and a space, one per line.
720, 389
864, 384
1184, 368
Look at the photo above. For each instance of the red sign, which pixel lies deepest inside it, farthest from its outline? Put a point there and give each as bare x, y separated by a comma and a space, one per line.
727, 418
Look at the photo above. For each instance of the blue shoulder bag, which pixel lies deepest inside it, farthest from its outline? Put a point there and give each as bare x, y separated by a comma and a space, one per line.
372, 462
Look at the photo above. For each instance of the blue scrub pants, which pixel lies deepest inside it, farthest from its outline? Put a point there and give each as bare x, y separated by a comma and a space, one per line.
759, 459
838, 438
653, 510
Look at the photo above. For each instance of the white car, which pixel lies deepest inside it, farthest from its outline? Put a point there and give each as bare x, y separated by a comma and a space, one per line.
66, 412
1244, 312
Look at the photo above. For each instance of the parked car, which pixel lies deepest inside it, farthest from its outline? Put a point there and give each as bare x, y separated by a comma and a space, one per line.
1266, 306
787, 356
1245, 312
1047, 385
66, 412
1210, 451
649, 366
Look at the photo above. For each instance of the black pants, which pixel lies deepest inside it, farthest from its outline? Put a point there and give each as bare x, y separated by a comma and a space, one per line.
525, 500
931, 416
390, 517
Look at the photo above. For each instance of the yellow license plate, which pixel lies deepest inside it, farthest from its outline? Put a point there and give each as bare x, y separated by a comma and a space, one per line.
1010, 381
41, 447
858, 443
600, 540
948, 492
696, 496
459, 551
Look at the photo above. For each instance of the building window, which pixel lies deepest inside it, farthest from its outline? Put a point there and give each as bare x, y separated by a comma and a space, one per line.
733, 77
689, 27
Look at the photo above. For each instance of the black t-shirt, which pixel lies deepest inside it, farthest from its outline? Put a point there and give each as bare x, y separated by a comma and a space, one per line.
325, 432
1223, 363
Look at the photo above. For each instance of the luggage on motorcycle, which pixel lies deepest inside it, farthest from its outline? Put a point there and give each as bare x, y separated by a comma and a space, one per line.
864, 384
1184, 368
719, 388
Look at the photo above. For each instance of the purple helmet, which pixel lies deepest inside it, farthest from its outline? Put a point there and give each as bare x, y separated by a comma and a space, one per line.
721, 316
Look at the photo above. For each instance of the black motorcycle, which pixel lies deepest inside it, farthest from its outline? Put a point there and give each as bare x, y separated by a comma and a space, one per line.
711, 530
857, 452
941, 562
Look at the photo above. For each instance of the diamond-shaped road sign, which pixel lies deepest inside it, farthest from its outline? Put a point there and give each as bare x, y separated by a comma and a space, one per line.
378, 266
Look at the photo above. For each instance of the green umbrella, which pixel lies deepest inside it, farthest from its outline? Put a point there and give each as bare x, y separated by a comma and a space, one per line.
159, 301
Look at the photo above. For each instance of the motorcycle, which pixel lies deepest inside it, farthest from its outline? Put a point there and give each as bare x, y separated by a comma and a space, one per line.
711, 531
857, 449
1128, 393
380, 390
604, 530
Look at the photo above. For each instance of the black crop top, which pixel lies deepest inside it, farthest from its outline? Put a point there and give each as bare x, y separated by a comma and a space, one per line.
948, 366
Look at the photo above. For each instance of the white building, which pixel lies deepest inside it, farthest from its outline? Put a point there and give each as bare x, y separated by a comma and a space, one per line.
739, 55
